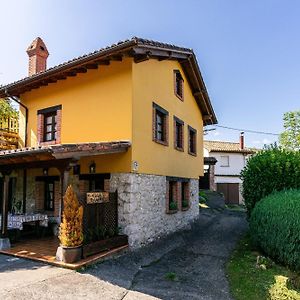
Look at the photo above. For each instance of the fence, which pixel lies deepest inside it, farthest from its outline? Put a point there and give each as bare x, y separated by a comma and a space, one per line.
10, 124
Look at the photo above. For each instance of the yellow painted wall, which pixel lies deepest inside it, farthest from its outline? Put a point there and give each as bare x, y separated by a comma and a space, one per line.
153, 82
96, 106
115, 103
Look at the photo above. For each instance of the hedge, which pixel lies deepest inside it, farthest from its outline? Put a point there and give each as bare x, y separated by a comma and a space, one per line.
269, 170
275, 227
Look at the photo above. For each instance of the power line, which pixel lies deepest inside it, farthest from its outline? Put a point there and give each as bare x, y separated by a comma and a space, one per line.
248, 130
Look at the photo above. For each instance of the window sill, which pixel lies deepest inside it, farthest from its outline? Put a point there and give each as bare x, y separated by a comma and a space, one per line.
179, 97
179, 149
185, 208
171, 212
161, 142
48, 143
192, 153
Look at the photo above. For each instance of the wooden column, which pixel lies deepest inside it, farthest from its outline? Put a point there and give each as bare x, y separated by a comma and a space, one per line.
4, 217
24, 190
64, 180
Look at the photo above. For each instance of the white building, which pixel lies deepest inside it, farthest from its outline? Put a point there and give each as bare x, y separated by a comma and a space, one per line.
225, 175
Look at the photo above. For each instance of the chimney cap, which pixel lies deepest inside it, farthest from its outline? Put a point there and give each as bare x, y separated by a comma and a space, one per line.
37, 47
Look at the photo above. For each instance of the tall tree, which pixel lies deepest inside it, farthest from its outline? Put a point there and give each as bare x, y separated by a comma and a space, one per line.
290, 137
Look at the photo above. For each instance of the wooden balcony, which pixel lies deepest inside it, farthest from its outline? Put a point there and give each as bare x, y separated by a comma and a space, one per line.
9, 137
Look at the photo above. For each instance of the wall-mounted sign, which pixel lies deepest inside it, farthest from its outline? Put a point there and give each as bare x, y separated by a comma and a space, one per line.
97, 197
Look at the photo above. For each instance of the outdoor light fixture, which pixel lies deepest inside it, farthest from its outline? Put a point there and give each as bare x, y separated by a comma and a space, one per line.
93, 167
45, 172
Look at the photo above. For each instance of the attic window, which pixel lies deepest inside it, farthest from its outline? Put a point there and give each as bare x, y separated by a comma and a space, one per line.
42, 48
178, 84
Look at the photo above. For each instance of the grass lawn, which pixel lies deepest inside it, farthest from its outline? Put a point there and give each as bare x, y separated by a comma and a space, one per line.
248, 282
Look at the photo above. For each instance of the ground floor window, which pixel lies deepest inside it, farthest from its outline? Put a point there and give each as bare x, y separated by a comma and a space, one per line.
185, 195
173, 197
49, 195
178, 194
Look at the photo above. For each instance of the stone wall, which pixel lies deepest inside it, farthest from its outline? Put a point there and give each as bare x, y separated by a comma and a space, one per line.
142, 207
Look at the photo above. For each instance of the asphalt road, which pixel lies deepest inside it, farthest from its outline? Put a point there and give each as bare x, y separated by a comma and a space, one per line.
186, 265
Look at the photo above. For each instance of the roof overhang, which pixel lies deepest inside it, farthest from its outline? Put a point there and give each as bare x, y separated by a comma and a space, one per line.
140, 50
56, 155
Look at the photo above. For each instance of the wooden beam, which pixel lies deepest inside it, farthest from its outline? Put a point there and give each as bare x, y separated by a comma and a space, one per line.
104, 62
4, 217
80, 70
71, 74
141, 57
91, 66
60, 77
116, 57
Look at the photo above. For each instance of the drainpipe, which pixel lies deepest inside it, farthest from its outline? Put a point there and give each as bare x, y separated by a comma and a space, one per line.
17, 100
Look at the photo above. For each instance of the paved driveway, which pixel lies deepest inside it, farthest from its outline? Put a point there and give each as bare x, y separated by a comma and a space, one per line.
195, 259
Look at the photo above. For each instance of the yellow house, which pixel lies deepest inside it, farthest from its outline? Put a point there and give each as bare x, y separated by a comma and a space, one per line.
127, 119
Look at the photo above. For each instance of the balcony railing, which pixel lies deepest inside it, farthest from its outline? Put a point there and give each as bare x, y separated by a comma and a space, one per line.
9, 137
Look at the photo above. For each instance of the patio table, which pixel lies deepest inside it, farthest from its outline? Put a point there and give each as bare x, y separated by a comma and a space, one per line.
17, 221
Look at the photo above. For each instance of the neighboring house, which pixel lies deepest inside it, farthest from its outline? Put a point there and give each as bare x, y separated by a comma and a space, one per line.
127, 118
224, 176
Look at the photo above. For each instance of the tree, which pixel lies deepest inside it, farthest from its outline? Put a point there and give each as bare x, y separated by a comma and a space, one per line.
290, 138
7, 110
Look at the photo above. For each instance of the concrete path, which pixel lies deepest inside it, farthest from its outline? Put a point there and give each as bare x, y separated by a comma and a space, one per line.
194, 259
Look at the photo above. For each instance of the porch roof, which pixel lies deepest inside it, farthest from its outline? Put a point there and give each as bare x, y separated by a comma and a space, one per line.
53, 155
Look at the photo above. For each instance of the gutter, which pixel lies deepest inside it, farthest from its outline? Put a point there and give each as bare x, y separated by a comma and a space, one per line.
17, 100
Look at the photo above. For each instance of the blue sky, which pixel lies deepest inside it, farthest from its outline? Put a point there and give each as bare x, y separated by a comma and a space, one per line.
248, 51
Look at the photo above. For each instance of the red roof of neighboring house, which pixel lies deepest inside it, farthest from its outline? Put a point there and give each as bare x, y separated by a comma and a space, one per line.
218, 146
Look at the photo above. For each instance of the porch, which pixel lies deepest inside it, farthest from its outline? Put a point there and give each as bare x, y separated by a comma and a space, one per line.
44, 250
31, 195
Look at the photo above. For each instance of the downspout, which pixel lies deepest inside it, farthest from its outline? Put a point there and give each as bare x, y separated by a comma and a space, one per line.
17, 100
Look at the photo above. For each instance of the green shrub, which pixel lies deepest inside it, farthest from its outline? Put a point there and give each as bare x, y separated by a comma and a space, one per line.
275, 227
202, 194
173, 205
269, 170
185, 203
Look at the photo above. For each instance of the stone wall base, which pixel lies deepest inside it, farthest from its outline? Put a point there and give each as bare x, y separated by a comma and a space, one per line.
142, 207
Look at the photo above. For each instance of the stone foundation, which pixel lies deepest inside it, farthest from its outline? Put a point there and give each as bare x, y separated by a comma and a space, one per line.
142, 207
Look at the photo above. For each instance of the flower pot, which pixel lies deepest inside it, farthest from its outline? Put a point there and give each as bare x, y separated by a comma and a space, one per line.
69, 254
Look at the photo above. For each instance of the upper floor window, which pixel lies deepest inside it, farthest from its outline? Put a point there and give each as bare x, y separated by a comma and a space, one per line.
49, 125
192, 141
160, 125
178, 84
178, 134
225, 161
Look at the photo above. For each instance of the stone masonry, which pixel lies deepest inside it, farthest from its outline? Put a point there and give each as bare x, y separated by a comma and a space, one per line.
142, 207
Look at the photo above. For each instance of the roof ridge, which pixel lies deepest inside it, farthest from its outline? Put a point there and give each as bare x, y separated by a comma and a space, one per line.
214, 141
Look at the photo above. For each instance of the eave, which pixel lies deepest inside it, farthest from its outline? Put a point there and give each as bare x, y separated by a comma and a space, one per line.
137, 48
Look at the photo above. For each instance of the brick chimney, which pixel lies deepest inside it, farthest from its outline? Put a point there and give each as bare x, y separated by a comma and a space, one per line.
38, 55
242, 142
